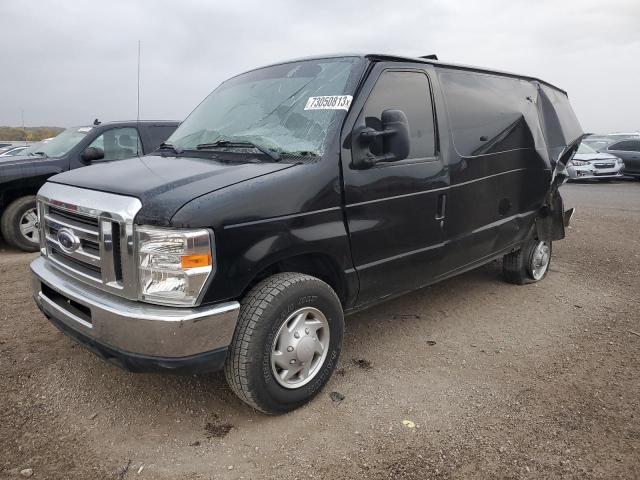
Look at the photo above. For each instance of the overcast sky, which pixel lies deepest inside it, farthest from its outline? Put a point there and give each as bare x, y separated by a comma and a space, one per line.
66, 62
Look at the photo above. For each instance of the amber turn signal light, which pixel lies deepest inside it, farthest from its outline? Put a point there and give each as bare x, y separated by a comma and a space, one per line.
194, 261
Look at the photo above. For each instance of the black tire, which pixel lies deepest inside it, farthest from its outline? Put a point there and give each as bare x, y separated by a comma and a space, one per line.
517, 267
262, 312
10, 224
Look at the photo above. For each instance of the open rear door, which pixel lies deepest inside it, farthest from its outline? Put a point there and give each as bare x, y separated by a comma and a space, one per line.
563, 135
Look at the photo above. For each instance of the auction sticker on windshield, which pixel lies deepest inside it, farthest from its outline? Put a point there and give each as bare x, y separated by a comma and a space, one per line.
329, 102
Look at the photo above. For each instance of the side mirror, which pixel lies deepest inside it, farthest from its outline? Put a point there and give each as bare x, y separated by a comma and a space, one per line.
92, 154
395, 143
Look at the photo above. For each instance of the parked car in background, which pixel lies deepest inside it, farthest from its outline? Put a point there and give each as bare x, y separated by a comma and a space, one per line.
589, 164
13, 151
21, 176
628, 149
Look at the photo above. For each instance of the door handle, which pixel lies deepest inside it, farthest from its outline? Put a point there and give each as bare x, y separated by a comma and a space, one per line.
441, 212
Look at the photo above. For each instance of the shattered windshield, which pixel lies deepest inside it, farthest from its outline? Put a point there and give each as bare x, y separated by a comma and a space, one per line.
282, 109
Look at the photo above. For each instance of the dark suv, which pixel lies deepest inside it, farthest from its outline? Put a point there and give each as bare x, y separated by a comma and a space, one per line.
295, 194
629, 151
21, 176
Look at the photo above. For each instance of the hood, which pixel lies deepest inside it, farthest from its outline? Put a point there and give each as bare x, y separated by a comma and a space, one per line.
18, 159
588, 157
27, 170
164, 184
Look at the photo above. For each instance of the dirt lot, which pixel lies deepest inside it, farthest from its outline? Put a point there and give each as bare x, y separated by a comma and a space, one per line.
501, 382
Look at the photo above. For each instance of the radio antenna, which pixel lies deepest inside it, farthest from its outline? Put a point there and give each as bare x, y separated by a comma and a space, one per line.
138, 115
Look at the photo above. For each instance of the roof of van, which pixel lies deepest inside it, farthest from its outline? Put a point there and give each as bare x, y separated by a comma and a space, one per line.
395, 58
439, 63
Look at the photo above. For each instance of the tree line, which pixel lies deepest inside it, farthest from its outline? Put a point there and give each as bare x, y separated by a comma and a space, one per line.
29, 134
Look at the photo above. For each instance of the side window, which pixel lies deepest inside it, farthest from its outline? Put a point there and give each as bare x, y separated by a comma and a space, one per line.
409, 92
119, 143
490, 114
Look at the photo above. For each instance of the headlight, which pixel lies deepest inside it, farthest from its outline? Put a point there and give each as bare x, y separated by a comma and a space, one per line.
173, 265
578, 163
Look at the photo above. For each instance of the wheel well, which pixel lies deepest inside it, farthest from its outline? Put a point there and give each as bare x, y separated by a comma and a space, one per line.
11, 194
318, 265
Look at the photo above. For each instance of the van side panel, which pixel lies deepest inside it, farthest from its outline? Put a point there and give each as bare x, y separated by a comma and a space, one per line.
499, 167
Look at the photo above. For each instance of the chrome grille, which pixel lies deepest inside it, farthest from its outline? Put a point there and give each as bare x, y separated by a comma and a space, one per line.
89, 235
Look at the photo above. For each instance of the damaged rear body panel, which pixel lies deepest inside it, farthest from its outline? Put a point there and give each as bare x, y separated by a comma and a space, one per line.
562, 133
521, 130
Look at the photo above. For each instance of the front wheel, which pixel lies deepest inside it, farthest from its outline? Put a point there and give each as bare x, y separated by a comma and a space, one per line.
286, 343
19, 224
528, 264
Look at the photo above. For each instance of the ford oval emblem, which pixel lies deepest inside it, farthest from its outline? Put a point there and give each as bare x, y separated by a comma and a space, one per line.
68, 240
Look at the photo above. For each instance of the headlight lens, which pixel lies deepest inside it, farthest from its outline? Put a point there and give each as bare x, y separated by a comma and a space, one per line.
173, 265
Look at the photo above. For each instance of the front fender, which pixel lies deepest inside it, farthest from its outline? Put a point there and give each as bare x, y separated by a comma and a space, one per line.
243, 251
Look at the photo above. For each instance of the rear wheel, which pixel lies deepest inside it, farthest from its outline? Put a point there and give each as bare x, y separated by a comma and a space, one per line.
529, 264
19, 224
286, 344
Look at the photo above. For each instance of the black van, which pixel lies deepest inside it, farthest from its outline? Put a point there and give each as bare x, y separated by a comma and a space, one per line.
295, 194
21, 176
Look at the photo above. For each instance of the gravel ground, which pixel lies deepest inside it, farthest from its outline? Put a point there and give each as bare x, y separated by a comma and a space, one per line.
491, 380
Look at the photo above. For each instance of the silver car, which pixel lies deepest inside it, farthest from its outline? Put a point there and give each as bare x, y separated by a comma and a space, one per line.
588, 163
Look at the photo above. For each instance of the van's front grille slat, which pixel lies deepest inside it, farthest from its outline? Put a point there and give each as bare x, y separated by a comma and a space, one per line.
75, 264
74, 217
90, 247
117, 252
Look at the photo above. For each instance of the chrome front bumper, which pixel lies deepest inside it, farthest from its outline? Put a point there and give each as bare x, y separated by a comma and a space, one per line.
130, 328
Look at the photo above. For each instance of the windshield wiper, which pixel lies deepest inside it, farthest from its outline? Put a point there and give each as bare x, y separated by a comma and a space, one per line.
239, 143
42, 154
301, 153
168, 146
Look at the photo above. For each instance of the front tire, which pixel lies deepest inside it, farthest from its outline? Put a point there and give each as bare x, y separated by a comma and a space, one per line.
529, 264
19, 224
286, 343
